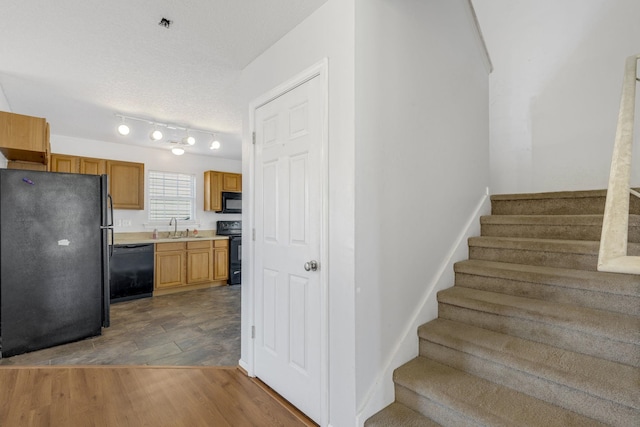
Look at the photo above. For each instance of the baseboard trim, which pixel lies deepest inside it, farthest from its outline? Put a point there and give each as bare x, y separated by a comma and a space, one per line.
381, 394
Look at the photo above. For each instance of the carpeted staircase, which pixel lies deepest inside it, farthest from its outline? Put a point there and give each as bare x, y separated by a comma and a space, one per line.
531, 334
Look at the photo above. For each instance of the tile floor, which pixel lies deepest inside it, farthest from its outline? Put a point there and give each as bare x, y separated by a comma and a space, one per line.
194, 328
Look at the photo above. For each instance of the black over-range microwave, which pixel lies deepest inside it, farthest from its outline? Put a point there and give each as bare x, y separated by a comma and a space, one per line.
231, 202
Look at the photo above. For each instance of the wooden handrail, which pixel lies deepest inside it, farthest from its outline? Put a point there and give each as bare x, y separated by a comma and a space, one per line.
615, 227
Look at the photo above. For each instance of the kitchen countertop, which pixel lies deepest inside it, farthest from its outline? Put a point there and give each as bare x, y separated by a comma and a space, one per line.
141, 238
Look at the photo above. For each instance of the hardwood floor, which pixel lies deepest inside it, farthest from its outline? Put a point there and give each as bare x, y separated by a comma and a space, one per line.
138, 396
194, 328
193, 341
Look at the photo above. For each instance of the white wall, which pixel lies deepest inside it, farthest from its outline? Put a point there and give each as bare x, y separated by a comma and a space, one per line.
4, 106
328, 33
153, 159
555, 89
422, 168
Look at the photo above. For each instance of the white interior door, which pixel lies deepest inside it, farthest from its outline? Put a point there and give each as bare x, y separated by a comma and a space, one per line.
288, 214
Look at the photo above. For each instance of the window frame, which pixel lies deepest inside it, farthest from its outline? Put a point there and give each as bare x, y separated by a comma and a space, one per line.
192, 198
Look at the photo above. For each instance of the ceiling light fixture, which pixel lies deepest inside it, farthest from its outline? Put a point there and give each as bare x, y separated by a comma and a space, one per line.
156, 135
123, 129
189, 139
215, 144
178, 151
168, 130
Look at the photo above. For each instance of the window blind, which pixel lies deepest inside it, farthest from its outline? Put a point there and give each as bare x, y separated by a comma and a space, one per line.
171, 195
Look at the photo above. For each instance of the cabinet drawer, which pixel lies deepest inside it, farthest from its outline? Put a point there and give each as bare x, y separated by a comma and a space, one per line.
206, 244
221, 243
177, 246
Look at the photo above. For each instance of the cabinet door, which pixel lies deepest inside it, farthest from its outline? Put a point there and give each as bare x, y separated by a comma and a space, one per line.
199, 266
213, 191
19, 164
232, 182
170, 269
126, 184
92, 166
64, 163
220, 264
24, 137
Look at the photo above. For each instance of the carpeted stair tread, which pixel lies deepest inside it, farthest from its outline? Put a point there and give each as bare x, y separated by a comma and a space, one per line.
397, 414
606, 291
573, 227
533, 244
596, 377
556, 203
478, 401
577, 254
608, 335
616, 326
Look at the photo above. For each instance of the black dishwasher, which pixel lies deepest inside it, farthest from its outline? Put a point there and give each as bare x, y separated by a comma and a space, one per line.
131, 271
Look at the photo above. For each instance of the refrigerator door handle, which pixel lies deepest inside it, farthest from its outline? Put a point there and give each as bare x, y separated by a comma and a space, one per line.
110, 223
110, 210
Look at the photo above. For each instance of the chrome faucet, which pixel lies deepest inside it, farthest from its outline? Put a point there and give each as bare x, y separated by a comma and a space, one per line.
175, 226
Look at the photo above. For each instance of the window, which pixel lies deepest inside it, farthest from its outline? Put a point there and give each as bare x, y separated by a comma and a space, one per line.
171, 195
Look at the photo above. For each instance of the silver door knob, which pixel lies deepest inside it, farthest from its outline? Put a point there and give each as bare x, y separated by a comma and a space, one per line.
311, 265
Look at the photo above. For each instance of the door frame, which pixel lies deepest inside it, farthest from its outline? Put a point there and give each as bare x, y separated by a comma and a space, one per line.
319, 70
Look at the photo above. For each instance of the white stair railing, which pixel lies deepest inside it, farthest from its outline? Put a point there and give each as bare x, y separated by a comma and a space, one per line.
613, 255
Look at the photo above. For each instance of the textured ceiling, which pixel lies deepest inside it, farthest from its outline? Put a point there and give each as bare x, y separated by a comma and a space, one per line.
77, 63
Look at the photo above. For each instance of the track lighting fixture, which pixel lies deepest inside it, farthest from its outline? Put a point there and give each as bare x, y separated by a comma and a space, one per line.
123, 129
157, 133
215, 144
189, 139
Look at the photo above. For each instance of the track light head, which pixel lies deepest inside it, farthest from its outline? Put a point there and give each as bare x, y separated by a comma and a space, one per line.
156, 135
123, 129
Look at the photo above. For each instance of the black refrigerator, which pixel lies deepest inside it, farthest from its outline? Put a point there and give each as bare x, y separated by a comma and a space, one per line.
54, 258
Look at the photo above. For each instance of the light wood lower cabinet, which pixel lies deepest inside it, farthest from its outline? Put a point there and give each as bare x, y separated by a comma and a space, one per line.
170, 268
186, 265
220, 259
200, 263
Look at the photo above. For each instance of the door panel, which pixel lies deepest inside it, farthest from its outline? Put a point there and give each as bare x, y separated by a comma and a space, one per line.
287, 217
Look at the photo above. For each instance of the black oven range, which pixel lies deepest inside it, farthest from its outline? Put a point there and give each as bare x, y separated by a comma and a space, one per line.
233, 229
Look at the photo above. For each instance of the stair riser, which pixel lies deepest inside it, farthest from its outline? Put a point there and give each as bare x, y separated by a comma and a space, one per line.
557, 206
569, 232
573, 340
624, 304
539, 258
437, 411
569, 206
544, 389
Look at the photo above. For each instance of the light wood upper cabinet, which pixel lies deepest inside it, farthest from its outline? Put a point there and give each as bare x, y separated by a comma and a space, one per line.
215, 183
24, 138
213, 191
126, 184
65, 163
76, 164
31, 166
92, 166
126, 179
232, 182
